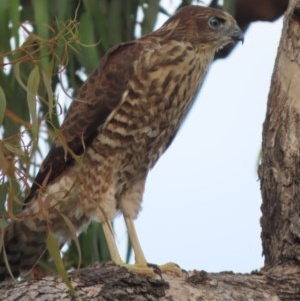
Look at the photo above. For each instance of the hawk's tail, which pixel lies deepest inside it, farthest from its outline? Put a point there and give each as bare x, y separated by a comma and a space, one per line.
23, 243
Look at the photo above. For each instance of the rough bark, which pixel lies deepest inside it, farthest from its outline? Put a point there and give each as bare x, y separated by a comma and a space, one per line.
279, 173
109, 283
280, 166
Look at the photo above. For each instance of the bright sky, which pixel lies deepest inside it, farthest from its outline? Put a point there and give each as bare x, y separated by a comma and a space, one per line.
202, 203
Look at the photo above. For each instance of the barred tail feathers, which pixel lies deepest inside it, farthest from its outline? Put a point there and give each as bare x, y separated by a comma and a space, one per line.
23, 244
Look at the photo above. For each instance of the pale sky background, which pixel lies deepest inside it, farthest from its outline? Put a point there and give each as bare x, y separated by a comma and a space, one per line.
201, 207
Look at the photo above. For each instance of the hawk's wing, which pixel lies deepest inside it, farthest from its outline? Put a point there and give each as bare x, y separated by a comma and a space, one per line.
97, 98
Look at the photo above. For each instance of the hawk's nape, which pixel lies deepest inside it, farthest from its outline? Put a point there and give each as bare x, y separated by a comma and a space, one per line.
125, 116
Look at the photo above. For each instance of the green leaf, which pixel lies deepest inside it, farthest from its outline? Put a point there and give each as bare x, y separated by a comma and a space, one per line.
74, 238
32, 91
4, 25
2, 248
47, 82
42, 21
88, 55
17, 75
15, 20
114, 21
62, 9
3, 195
2, 104
229, 6
16, 150
150, 16
54, 251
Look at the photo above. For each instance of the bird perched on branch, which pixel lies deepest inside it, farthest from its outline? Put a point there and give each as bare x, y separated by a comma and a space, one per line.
124, 117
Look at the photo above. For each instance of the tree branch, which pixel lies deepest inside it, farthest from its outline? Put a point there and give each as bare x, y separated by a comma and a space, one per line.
109, 282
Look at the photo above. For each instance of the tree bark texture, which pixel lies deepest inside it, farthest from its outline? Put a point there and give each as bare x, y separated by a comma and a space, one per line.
280, 166
110, 283
280, 185
107, 282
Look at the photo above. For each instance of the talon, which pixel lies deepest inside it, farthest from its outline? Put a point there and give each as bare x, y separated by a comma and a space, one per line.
141, 266
155, 268
141, 269
172, 268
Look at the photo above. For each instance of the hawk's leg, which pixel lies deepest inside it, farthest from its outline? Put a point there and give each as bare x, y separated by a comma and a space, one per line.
140, 267
138, 252
110, 240
140, 260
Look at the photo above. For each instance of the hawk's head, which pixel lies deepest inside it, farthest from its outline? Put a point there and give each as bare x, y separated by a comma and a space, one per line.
203, 26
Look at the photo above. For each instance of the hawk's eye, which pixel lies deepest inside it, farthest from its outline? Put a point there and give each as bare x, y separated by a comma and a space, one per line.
214, 22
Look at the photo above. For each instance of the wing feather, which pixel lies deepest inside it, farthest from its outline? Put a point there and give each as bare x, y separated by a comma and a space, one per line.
97, 98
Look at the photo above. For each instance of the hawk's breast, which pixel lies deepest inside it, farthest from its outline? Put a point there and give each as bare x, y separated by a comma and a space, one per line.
136, 133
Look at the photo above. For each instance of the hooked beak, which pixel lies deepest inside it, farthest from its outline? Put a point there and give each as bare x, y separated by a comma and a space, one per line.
237, 35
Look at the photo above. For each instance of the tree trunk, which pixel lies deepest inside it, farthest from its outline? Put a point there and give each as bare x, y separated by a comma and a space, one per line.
280, 184
280, 167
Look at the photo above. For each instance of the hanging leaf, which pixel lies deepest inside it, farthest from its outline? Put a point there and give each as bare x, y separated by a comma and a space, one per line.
15, 149
47, 83
74, 237
2, 105
54, 251
32, 91
17, 75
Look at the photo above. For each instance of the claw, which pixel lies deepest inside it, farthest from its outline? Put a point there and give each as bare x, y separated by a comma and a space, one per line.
171, 268
141, 266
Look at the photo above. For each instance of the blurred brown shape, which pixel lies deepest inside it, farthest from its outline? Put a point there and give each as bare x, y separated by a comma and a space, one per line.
248, 11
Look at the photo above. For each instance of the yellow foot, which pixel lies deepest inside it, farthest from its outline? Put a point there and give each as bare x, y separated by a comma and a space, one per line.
142, 269
171, 268
153, 269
